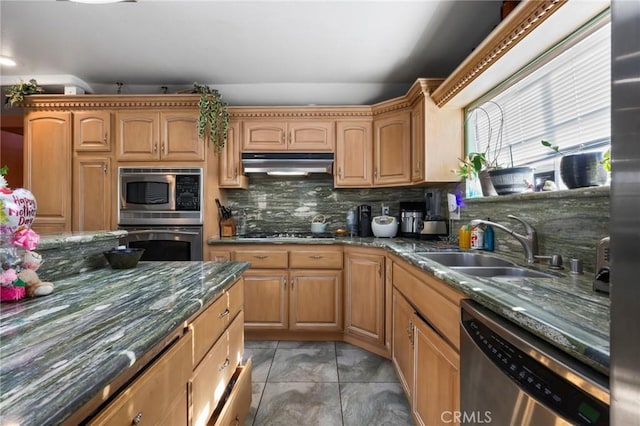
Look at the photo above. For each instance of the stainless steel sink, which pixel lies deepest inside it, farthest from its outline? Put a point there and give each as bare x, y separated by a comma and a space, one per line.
500, 271
465, 259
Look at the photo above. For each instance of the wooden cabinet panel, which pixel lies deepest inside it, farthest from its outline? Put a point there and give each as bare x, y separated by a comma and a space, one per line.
47, 169
266, 299
315, 300
392, 149
92, 194
427, 295
179, 137
364, 295
402, 346
236, 298
209, 326
417, 142
137, 135
354, 154
315, 258
268, 135
92, 131
311, 136
437, 380
218, 255
229, 162
262, 258
235, 411
154, 391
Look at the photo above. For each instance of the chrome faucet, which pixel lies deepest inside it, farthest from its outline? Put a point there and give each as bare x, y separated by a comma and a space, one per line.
529, 242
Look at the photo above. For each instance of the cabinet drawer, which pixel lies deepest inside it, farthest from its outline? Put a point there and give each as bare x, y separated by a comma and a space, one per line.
315, 259
209, 326
154, 392
235, 409
442, 313
212, 375
260, 259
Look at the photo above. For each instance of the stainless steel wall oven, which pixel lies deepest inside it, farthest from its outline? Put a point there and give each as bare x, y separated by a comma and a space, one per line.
161, 208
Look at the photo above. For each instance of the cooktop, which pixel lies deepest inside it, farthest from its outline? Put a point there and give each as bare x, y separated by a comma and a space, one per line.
286, 235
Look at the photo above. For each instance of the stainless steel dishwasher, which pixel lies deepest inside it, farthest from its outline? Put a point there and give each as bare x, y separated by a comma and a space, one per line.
510, 377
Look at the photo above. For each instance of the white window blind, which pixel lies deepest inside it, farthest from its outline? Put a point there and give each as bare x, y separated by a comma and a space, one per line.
564, 97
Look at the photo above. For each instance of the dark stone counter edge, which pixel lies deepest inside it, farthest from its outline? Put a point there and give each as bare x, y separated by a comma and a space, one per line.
597, 358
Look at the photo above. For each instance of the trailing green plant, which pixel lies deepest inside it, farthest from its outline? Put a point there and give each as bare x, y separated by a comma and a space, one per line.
606, 160
214, 116
17, 92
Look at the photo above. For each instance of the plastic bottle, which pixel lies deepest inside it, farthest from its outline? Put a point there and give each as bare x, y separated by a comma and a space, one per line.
477, 238
464, 237
488, 238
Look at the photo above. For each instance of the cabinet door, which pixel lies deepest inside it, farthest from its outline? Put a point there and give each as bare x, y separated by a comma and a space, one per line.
266, 301
92, 194
392, 149
137, 136
315, 300
47, 169
179, 137
417, 142
354, 154
437, 380
364, 296
311, 136
229, 164
402, 347
92, 131
268, 135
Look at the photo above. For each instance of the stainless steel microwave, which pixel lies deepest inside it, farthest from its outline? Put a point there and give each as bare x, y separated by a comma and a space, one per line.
160, 196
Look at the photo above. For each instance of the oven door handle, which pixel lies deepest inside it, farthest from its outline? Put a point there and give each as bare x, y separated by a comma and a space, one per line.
155, 231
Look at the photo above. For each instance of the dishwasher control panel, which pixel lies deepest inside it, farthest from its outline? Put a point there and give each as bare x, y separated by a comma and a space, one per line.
536, 379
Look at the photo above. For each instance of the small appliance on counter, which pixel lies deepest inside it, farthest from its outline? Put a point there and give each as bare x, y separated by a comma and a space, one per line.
434, 225
384, 226
364, 221
601, 281
411, 218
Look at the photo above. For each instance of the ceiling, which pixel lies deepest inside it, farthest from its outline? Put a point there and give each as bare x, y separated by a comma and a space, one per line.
255, 52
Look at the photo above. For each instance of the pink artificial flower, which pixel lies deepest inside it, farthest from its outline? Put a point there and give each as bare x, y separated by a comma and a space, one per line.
8, 277
26, 238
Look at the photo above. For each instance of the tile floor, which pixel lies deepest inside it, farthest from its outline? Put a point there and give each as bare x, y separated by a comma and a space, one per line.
324, 384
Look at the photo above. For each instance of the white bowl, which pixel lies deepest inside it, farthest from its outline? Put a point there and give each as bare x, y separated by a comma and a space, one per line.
384, 226
318, 227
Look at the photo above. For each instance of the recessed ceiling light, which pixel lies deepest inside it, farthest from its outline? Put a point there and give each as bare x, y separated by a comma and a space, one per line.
5, 60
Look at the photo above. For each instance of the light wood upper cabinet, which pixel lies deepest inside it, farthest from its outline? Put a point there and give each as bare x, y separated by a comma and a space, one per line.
278, 135
47, 168
92, 131
229, 164
364, 295
392, 149
92, 193
354, 154
152, 136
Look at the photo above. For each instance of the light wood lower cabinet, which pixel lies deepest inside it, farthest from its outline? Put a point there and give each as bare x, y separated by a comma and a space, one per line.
266, 299
403, 342
315, 300
365, 295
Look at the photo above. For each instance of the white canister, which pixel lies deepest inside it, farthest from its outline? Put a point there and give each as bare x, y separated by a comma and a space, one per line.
477, 238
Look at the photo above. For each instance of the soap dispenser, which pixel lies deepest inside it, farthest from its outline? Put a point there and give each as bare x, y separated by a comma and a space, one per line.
488, 237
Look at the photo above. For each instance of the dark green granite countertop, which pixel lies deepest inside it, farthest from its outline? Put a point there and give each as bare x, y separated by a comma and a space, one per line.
60, 350
562, 310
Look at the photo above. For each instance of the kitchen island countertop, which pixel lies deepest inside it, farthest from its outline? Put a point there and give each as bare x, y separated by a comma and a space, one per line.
562, 310
61, 350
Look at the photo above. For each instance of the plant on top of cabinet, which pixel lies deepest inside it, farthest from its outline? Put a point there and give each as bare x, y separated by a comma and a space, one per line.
214, 115
17, 92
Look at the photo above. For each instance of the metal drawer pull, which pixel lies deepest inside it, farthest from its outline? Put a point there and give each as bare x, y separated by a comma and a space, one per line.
224, 313
137, 419
316, 256
237, 420
225, 365
261, 256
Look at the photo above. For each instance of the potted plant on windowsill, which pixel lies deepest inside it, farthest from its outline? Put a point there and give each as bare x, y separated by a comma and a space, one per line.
474, 165
582, 169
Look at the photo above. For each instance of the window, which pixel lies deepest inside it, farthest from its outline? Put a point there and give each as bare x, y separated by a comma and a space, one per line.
563, 97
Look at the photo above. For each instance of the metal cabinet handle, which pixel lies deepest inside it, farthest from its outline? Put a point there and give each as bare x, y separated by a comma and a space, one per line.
155, 147
137, 419
340, 172
225, 365
224, 313
104, 169
237, 420
105, 137
292, 282
316, 256
235, 173
290, 138
375, 172
260, 256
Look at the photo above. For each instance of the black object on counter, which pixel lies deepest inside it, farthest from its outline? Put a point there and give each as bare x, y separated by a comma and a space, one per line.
364, 221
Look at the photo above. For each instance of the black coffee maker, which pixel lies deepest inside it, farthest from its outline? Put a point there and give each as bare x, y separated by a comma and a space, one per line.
364, 221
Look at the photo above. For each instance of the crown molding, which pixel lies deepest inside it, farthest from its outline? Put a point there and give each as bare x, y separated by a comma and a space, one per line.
78, 102
517, 25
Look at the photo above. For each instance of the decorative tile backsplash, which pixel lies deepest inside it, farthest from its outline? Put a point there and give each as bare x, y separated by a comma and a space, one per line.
276, 204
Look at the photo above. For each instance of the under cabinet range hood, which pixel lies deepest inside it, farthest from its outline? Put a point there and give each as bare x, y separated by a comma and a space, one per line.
287, 163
